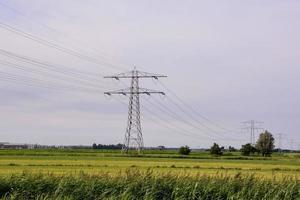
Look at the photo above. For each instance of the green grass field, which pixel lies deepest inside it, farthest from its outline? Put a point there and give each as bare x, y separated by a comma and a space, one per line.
26, 165
99, 161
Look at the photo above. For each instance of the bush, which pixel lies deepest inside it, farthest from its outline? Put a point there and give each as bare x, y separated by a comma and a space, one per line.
184, 150
216, 150
248, 149
231, 149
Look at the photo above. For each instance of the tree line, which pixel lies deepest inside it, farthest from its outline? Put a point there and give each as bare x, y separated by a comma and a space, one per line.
264, 146
107, 146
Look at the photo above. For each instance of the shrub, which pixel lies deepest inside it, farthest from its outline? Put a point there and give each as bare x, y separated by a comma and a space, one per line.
216, 150
248, 149
184, 150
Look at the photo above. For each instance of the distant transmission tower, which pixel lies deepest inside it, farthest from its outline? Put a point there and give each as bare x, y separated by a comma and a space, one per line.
252, 128
280, 137
133, 135
291, 144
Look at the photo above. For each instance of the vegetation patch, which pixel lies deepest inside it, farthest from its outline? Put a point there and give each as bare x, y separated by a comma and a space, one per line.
135, 184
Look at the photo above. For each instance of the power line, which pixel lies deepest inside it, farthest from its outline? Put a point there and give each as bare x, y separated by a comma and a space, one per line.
60, 69
185, 112
39, 62
193, 110
175, 128
48, 75
169, 125
178, 128
96, 54
155, 120
167, 111
57, 46
34, 82
195, 119
164, 109
173, 115
18, 12
159, 120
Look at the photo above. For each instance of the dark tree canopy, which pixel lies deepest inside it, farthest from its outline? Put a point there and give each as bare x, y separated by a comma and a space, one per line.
184, 150
248, 149
265, 143
107, 146
216, 150
231, 149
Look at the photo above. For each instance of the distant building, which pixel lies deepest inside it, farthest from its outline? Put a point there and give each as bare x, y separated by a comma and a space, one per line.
6, 145
161, 147
2, 144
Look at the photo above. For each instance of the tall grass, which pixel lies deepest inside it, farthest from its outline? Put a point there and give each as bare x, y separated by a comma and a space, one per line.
135, 184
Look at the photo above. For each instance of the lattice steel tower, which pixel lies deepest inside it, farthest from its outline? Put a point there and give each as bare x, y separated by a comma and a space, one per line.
251, 126
133, 135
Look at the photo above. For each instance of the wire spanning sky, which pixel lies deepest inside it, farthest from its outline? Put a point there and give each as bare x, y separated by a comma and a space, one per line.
226, 61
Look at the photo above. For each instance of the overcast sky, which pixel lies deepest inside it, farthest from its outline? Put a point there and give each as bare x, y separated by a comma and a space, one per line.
231, 61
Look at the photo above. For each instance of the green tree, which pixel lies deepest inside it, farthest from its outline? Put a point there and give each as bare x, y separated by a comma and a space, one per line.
265, 143
184, 150
248, 149
216, 150
231, 149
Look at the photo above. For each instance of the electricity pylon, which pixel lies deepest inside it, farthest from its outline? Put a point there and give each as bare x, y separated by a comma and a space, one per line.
252, 128
279, 137
133, 135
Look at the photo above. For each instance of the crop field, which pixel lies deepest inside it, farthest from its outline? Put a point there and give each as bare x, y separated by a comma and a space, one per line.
94, 162
56, 167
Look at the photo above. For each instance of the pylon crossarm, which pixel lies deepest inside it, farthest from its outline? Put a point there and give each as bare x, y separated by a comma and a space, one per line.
139, 91
137, 74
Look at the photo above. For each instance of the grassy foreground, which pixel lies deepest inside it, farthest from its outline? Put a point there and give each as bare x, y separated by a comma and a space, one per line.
135, 184
99, 174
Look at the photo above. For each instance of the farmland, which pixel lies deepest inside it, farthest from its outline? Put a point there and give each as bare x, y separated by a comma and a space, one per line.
111, 167
99, 161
